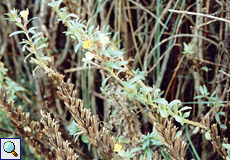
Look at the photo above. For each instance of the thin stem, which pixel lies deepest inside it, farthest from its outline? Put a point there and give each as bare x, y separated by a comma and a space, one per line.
200, 14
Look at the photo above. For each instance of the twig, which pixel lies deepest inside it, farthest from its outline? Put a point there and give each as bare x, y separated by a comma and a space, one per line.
200, 14
79, 69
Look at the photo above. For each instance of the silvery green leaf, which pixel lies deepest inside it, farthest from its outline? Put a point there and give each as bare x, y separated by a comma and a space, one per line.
121, 70
24, 47
90, 30
226, 146
77, 47
16, 32
121, 63
207, 135
111, 65
19, 25
45, 58
174, 102
128, 85
186, 114
104, 81
36, 35
163, 113
179, 119
185, 108
137, 77
41, 46
161, 101
37, 40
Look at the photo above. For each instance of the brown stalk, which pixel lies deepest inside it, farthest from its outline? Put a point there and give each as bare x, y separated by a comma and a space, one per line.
41, 138
88, 123
167, 131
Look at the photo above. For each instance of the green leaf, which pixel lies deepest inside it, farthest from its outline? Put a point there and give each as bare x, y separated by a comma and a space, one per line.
145, 144
31, 19
221, 113
201, 90
137, 77
89, 146
19, 88
121, 63
27, 57
90, 30
37, 40
213, 94
217, 118
204, 68
186, 114
19, 25
223, 126
84, 139
228, 157
36, 35
35, 61
115, 36
165, 155
106, 53
72, 15
207, 135
77, 47
16, 32
163, 113
88, 22
42, 46
176, 109
115, 53
185, 108
111, 65
45, 58
128, 85
198, 97
226, 146
174, 102
121, 70
33, 28
148, 152
161, 101
136, 149
24, 47
146, 89
179, 119
104, 81
205, 90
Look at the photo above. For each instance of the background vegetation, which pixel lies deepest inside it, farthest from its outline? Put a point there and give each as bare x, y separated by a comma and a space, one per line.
183, 54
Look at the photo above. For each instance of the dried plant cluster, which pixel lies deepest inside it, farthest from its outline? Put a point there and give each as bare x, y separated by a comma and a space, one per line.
167, 133
97, 90
88, 123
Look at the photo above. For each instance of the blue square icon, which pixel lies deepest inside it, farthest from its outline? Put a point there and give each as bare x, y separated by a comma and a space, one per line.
10, 148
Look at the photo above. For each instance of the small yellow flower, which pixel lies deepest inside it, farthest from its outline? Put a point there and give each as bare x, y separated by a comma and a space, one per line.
87, 44
103, 39
25, 14
117, 147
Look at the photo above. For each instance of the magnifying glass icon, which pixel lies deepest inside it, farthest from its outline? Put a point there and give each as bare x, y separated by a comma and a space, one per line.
9, 147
